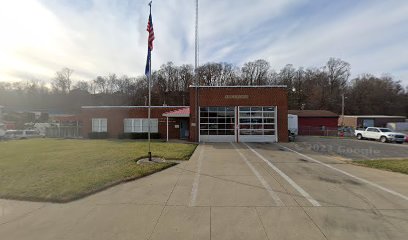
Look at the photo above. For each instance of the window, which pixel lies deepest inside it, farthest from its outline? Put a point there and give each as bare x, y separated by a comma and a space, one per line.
217, 120
99, 125
139, 125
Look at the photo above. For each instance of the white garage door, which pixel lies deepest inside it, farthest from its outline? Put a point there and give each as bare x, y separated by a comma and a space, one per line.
257, 124
217, 124
254, 124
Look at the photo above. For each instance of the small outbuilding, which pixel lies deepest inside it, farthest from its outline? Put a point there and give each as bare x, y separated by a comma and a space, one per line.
363, 121
316, 122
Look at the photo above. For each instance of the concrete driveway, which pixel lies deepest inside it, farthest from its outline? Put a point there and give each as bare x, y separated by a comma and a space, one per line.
352, 148
230, 191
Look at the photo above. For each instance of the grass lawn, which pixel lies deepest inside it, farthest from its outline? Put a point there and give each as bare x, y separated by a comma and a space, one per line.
391, 165
63, 170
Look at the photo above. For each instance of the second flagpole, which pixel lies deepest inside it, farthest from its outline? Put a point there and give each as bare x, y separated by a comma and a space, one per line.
150, 95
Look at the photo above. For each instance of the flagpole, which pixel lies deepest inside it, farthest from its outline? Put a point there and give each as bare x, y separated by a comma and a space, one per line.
150, 95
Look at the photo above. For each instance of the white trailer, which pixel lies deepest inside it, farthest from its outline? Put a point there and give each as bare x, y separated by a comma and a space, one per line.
293, 124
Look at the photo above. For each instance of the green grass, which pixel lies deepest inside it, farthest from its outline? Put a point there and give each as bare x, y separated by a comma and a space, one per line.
390, 165
64, 170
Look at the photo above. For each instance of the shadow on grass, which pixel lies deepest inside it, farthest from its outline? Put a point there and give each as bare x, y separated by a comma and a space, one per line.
90, 192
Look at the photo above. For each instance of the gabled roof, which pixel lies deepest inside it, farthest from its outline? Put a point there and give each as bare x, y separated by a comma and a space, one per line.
313, 113
182, 112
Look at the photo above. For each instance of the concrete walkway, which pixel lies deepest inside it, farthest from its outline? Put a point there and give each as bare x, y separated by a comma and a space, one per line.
230, 191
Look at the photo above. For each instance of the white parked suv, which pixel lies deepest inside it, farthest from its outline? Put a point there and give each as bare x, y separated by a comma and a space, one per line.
22, 134
381, 134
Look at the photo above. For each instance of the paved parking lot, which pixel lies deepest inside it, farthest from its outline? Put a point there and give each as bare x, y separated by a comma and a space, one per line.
351, 148
230, 191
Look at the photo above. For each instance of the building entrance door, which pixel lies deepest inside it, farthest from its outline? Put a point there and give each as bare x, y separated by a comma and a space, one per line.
184, 129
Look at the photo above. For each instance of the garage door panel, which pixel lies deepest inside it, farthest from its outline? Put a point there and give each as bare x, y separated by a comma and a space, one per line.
257, 138
217, 138
257, 124
217, 124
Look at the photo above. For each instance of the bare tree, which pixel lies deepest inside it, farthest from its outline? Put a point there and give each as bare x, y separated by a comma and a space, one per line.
62, 81
101, 84
83, 86
256, 73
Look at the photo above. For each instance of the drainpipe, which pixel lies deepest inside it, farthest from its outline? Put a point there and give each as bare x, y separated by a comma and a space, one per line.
167, 134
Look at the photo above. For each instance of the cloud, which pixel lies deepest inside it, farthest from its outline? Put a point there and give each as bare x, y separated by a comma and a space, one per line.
98, 37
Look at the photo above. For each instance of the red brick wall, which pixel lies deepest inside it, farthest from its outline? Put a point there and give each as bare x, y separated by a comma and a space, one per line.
267, 96
318, 122
116, 116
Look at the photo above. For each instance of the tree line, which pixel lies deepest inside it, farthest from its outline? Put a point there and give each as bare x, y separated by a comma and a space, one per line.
308, 88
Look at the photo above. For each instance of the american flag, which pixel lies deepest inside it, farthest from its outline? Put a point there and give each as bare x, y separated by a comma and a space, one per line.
151, 32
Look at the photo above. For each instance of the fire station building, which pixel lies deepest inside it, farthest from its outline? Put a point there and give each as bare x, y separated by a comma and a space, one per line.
223, 114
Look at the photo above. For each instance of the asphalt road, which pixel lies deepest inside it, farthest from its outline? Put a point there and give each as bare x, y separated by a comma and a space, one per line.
230, 191
351, 148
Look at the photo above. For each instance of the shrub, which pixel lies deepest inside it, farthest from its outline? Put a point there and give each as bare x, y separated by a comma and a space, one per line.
98, 135
139, 136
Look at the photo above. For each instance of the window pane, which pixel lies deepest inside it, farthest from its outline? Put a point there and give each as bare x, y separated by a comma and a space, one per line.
257, 126
221, 120
256, 109
229, 120
257, 132
204, 114
212, 114
245, 132
245, 114
204, 132
269, 126
154, 125
127, 124
104, 125
229, 132
95, 125
269, 120
247, 109
204, 120
212, 132
269, 114
256, 120
269, 108
244, 120
256, 114
220, 132
203, 126
269, 132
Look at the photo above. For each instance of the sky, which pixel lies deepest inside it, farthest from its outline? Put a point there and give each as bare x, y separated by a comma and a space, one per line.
99, 37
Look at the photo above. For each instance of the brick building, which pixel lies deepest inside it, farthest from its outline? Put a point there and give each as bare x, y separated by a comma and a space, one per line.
225, 114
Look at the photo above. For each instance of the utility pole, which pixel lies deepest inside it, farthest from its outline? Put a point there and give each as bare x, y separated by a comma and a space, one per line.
342, 110
195, 73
